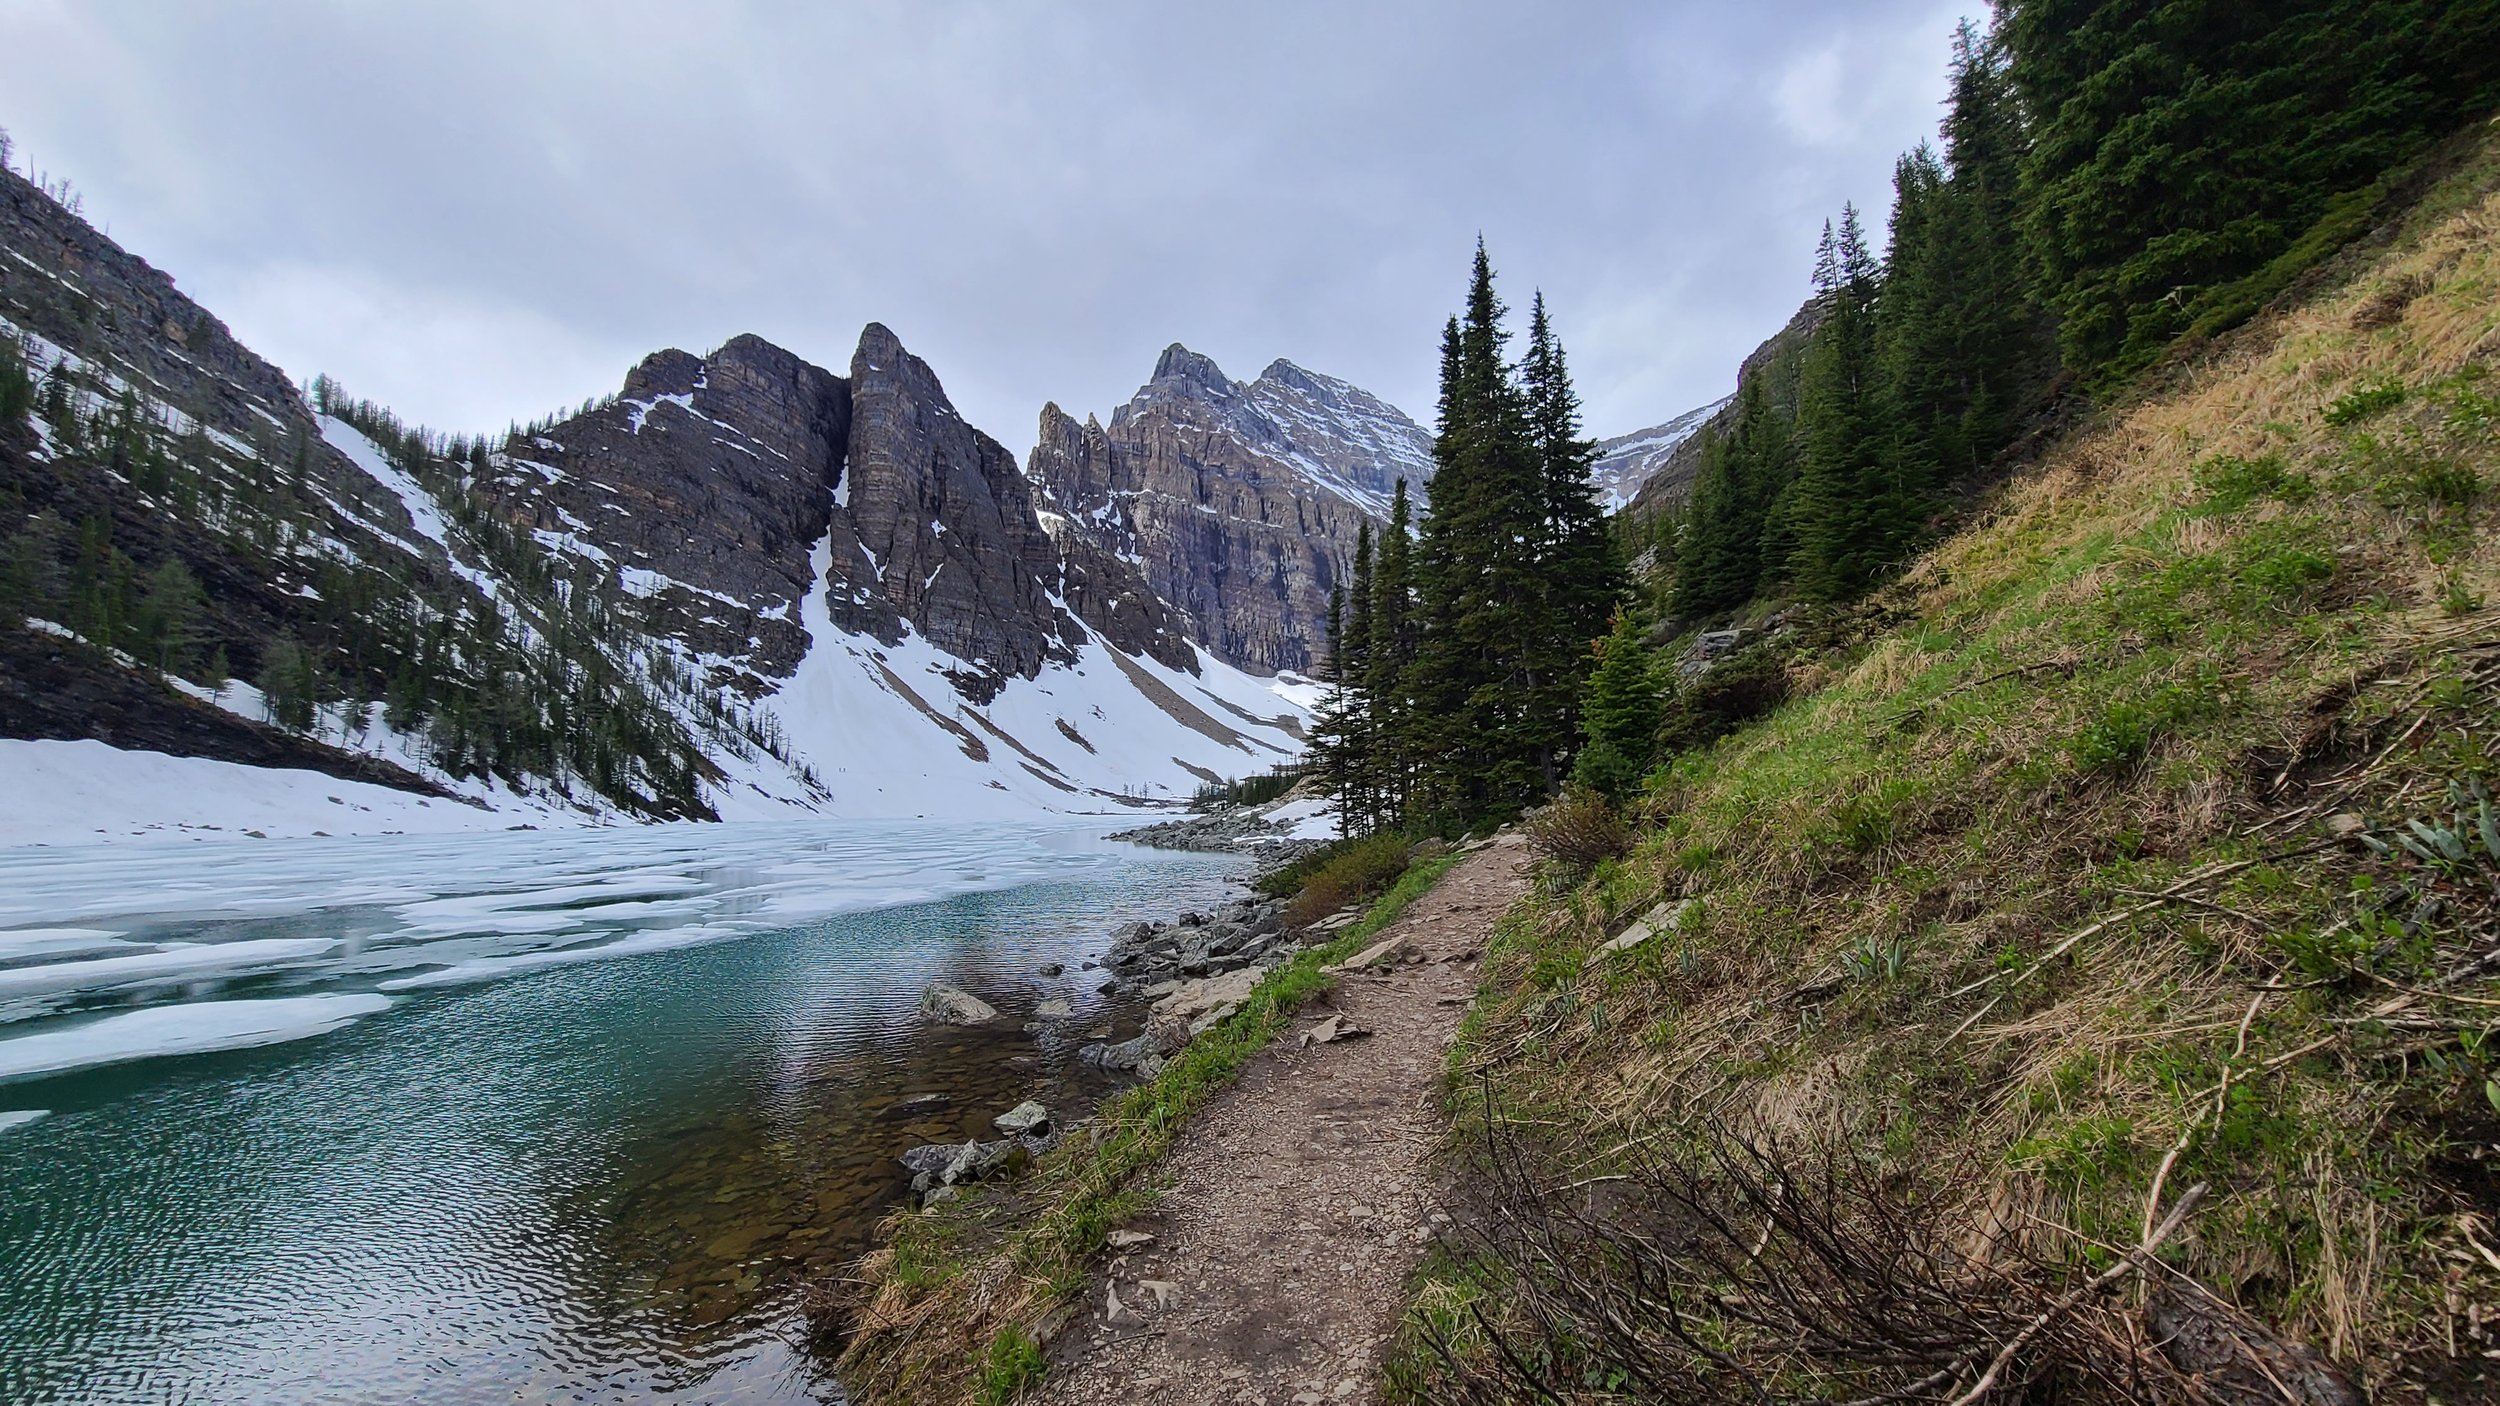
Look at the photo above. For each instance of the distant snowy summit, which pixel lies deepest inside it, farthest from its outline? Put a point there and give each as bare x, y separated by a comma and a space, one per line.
1629, 463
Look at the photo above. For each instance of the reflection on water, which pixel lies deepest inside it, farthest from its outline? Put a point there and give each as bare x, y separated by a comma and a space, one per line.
588, 1180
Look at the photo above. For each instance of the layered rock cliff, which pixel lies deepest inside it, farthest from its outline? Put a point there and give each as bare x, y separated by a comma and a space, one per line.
707, 484
1239, 502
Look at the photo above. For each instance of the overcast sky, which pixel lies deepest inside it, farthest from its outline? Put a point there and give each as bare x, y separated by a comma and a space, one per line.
477, 212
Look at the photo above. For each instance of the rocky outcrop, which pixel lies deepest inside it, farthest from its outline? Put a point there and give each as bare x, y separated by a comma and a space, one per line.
702, 487
936, 527
706, 484
1239, 503
1670, 474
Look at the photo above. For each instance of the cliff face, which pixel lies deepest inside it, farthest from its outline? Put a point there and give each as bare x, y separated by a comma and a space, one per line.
708, 483
704, 486
1628, 464
1670, 468
1239, 502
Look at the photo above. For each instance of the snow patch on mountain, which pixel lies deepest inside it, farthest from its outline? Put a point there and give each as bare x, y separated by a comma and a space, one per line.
1627, 462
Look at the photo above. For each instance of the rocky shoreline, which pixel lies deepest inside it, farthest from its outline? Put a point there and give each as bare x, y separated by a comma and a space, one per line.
1226, 830
1196, 969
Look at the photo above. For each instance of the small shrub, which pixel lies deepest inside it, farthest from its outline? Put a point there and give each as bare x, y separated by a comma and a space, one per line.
2231, 483
2115, 740
2290, 572
1722, 699
1865, 822
1349, 872
1578, 831
1012, 1367
2364, 403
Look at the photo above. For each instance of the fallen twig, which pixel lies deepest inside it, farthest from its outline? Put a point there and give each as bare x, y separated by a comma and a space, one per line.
2132, 1263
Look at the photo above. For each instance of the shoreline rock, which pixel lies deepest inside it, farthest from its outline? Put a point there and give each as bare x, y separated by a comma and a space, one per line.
947, 1005
1244, 830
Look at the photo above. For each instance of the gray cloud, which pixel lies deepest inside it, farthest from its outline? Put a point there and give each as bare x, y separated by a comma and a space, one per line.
478, 212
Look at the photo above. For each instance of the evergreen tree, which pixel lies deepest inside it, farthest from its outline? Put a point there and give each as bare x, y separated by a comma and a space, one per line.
2188, 157
1620, 713
17, 390
1577, 564
1849, 512
1479, 749
1390, 653
1721, 560
289, 685
1360, 802
168, 618
1332, 749
1962, 350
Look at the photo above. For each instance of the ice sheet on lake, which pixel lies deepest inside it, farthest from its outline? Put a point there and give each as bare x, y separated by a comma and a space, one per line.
194, 960
193, 1028
16, 944
349, 919
21, 1117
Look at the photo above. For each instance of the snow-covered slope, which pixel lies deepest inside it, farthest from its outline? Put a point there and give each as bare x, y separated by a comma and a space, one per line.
1626, 463
889, 731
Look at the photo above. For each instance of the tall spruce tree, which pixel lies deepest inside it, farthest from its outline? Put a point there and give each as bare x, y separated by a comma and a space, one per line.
1962, 349
1849, 510
1720, 564
1578, 568
1353, 672
1481, 748
1392, 651
1333, 751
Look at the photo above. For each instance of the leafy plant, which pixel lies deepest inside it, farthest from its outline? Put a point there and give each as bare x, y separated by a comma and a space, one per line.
1872, 959
2362, 404
1013, 1366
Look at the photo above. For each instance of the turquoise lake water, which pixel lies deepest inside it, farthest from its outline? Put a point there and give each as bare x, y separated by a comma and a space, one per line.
572, 1116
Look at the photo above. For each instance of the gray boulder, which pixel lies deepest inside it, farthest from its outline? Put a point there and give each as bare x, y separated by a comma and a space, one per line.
946, 1005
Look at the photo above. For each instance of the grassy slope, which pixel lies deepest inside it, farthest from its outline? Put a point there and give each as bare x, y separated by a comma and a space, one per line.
1939, 918
951, 1309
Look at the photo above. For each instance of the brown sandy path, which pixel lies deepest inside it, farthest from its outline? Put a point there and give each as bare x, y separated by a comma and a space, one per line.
1299, 1199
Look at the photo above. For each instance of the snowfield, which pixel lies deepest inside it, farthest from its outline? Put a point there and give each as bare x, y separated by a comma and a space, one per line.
81, 792
884, 729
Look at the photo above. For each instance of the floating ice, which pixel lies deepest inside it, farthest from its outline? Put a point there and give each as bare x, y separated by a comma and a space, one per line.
21, 1117
196, 1028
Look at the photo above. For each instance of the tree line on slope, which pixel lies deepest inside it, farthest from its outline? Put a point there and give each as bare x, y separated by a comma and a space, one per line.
198, 563
2114, 176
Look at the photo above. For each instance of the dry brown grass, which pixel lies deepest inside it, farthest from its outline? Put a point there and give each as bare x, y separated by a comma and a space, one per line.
1883, 864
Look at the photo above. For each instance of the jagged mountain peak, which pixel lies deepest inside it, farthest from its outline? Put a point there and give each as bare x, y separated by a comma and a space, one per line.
1240, 501
1179, 363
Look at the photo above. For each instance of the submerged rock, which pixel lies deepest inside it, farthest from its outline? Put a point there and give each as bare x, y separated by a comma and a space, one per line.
945, 1005
1025, 1117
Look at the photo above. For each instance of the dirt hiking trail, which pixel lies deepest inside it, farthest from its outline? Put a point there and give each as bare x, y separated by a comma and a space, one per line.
1299, 1199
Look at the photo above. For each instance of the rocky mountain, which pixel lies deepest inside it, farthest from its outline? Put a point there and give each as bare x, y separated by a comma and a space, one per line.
1628, 463
743, 586
1240, 502
709, 481
1672, 468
